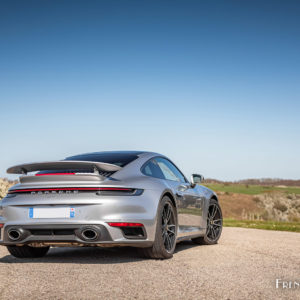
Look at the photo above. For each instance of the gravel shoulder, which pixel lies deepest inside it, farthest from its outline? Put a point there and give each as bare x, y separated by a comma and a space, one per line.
245, 264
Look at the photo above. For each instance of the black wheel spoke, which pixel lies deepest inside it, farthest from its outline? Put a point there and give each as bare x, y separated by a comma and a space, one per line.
172, 238
208, 230
164, 216
217, 220
214, 211
171, 229
214, 232
169, 212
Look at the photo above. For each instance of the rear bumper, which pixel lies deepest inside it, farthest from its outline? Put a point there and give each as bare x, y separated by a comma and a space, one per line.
90, 210
68, 235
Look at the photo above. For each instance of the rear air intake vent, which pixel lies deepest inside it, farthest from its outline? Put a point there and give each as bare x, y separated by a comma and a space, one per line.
106, 173
74, 172
133, 232
130, 230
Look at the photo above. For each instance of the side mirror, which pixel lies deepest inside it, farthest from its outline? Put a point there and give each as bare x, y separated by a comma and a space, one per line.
196, 179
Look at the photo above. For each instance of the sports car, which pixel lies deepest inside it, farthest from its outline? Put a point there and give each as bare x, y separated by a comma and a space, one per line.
104, 199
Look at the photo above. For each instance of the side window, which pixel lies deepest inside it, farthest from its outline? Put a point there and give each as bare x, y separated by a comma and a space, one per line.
152, 169
169, 170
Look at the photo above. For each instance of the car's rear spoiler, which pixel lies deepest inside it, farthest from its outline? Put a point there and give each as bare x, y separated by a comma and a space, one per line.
62, 165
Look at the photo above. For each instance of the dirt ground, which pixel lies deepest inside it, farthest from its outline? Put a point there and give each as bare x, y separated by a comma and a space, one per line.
244, 265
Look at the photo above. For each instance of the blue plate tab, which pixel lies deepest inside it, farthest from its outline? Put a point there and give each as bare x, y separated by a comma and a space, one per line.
72, 212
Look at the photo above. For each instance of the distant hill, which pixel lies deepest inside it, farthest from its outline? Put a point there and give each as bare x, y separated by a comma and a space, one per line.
277, 202
259, 181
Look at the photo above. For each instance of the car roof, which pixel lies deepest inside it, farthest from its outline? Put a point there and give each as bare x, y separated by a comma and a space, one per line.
119, 152
115, 152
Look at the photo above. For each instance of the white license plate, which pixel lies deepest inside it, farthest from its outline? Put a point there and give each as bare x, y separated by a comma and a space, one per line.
51, 212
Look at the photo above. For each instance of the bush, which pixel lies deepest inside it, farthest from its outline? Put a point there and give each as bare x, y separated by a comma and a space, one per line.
294, 218
4, 186
256, 199
280, 206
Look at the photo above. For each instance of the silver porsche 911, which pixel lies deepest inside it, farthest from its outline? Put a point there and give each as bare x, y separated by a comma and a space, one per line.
125, 198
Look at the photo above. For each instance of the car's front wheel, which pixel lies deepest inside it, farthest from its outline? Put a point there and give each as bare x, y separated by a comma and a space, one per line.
214, 225
166, 232
27, 251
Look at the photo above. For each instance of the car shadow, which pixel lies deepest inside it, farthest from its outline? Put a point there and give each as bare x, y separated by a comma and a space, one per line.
90, 255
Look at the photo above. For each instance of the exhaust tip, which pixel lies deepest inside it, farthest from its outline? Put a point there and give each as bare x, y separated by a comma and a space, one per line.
14, 234
89, 234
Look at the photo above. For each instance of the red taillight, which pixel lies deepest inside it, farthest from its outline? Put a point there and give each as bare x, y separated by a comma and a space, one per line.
122, 224
46, 174
1, 225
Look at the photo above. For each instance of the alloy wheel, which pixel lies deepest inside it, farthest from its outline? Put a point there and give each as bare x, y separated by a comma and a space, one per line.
214, 222
168, 227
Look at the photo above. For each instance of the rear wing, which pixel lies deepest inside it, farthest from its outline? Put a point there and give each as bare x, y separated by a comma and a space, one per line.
61, 165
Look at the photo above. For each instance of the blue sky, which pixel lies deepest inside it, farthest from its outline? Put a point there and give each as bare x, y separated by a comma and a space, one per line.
214, 85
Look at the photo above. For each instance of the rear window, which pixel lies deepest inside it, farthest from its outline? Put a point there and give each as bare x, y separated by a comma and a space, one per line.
120, 159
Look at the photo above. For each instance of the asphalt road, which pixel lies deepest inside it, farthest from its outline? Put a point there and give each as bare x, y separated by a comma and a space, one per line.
244, 265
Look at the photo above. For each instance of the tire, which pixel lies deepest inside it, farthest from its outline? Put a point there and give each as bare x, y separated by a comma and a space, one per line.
214, 225
27, 251
163, 246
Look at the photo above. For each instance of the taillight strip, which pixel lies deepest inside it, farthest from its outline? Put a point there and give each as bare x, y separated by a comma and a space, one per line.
70, 189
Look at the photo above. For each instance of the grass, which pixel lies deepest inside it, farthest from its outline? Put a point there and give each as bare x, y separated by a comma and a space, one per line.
268, 225
250, 189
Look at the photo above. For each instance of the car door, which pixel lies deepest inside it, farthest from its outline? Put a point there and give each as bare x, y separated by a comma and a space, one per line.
189, 200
